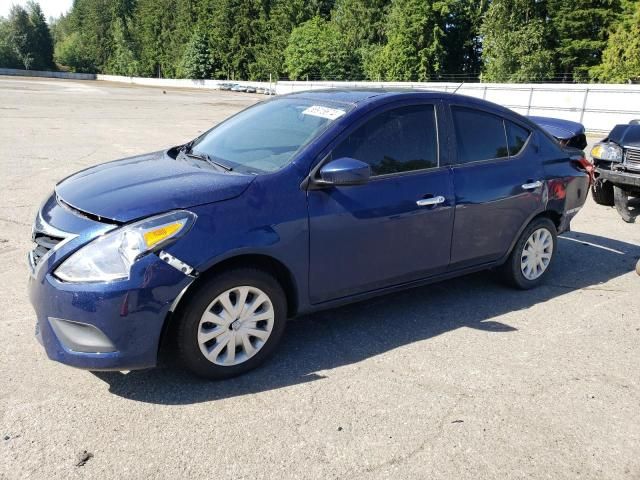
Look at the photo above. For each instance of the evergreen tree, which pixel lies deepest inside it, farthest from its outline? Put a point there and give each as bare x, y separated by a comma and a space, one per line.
463, 52
123, 59
361, 24
154, 24
509, 40
621, 57
315, 51
196, 62
72, 53
92, 20
8, 56
415, 49
280, 18
517, 42
21, 36
246, 33
42, 43
581, 27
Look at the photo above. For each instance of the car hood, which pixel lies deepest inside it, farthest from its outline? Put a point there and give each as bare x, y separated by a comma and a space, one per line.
625, 135
140, 186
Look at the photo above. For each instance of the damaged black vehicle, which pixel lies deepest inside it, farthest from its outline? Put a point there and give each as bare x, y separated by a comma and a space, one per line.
617, 170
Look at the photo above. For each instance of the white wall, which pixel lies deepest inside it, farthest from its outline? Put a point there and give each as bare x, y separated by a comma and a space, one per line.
38, 73
598, 107
177, 83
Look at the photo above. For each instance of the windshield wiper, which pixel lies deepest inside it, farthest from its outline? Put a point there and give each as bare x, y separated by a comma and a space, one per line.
206, 158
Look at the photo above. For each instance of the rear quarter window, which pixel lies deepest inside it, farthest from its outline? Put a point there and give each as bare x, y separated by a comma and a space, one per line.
517, 137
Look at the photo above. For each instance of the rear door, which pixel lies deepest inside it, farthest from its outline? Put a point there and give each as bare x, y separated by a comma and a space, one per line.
387, 231
498, 181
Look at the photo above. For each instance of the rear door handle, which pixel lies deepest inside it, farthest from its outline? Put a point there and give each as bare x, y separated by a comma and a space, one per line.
426, 202
532, 185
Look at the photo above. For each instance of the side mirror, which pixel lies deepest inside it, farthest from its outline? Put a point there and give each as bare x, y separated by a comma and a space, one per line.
345, 171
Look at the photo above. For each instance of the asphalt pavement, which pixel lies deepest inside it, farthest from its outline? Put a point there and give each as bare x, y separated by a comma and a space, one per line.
461, 379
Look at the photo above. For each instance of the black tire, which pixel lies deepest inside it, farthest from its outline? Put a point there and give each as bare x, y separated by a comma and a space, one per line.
602, 193
621, 198
512, 271
189, 322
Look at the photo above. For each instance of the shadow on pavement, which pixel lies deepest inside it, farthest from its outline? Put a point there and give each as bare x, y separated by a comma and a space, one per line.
337, 337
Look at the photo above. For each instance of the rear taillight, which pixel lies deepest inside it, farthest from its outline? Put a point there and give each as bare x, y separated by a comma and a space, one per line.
585, 165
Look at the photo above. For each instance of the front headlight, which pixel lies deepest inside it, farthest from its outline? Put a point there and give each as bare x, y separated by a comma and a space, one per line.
607, 151
110, 256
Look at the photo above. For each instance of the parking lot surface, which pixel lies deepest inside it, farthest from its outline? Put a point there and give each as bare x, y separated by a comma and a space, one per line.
461, 379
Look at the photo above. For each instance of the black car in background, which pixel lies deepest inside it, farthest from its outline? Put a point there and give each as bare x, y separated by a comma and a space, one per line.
617, 170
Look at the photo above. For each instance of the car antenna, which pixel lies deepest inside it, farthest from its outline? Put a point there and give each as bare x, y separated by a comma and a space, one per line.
458, 87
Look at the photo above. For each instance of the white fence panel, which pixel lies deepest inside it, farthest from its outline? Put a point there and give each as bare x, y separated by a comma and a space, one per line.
598, 107
38, 73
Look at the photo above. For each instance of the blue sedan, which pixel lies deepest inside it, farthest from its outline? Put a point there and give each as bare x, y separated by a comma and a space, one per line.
299, 203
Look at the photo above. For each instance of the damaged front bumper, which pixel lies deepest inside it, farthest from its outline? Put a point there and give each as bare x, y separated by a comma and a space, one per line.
620, 178
103, 325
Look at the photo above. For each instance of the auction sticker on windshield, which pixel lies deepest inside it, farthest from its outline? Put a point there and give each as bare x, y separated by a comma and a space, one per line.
324, 112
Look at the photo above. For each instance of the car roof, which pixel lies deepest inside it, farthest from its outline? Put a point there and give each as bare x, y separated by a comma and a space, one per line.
358, 96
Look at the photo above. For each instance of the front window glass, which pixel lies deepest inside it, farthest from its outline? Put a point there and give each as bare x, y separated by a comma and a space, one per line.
399, 140
264, 138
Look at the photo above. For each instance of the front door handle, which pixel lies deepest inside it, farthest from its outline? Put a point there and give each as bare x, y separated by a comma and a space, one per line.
426, 202
532, 185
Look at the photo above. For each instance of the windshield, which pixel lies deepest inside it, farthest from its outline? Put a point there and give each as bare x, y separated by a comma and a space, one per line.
264, 138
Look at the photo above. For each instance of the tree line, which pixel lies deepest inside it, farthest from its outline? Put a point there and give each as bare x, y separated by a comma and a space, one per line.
391, 40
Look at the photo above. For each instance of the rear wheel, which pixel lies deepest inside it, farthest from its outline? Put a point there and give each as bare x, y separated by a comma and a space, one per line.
232, 323
532, 255
621, 197
602, 193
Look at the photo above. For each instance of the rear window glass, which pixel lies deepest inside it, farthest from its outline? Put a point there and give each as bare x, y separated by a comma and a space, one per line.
479, 135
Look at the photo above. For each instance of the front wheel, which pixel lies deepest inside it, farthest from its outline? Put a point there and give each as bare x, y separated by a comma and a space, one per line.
602, 193
232, 323
621, 197
532, 255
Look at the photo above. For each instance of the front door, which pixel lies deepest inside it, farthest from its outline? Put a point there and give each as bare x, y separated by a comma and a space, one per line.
394, 229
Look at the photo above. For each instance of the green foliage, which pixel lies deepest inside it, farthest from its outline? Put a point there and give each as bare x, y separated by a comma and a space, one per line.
196, 62
21, 36
621, 57
73, 54
463, 20
92, 20
42, 43
508, 40
315, 51
581, 28
8, 56
156, 25
278, 22
361, 24
414, 48
517, 42
123, 59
